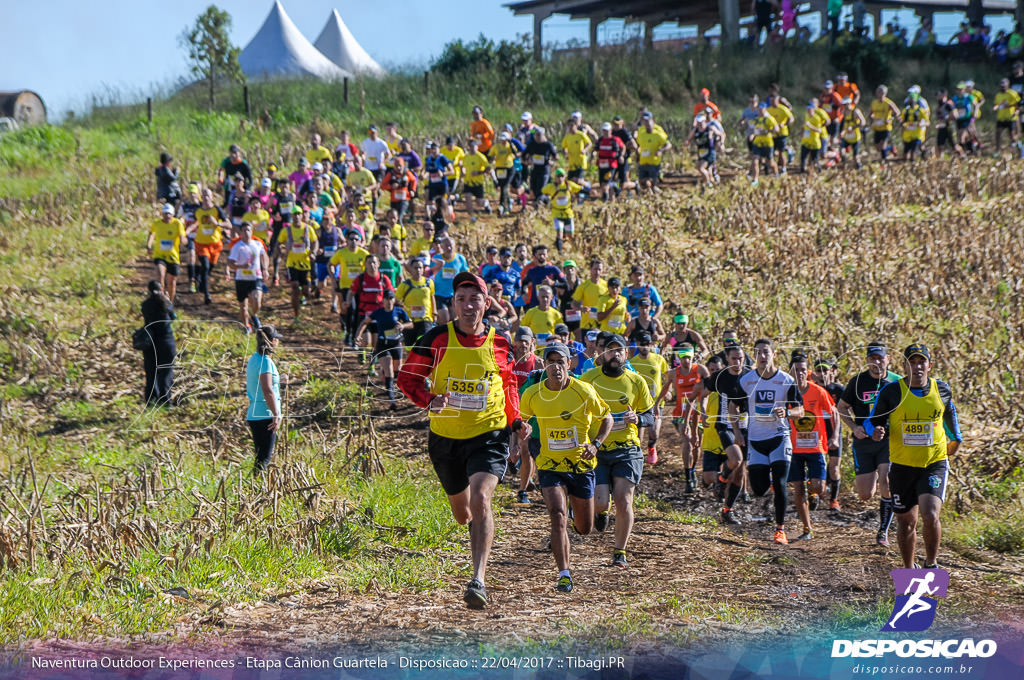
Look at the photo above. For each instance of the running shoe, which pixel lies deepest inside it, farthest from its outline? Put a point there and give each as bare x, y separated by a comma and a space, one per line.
689, 485
931, 566
192, 287
652, 456
601, 521
619, 559
780, 537
812, 502
522, 498
564, 584
805, 536
882, 539
834, 505
728, 517
475, 595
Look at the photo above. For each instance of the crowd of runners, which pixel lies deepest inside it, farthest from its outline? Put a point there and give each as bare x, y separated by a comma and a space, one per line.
566, 372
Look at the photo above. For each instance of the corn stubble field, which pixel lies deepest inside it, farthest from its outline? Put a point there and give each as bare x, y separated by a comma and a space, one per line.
120, 524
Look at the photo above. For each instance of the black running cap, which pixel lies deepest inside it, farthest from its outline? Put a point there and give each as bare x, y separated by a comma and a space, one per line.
917, 350
615, 338
556, 348
270, 332
877, 348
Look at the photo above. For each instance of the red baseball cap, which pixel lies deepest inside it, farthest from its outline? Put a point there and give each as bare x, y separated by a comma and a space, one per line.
469, 279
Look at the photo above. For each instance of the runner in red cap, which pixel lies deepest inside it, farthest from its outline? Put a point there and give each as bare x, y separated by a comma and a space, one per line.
473, 405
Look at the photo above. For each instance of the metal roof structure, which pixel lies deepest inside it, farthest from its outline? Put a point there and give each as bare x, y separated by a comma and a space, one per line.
707, 13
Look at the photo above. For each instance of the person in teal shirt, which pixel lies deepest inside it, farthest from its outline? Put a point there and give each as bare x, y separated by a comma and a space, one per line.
263, 388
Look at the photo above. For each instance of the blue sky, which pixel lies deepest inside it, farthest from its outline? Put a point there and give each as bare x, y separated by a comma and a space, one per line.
69, 50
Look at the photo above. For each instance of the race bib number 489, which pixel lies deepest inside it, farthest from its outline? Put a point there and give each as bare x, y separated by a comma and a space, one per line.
918, 433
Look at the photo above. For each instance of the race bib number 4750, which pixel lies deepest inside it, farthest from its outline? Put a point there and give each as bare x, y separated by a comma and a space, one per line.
562, 439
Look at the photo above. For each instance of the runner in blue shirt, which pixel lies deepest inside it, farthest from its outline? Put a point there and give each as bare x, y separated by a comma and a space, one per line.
640, 290
445, 266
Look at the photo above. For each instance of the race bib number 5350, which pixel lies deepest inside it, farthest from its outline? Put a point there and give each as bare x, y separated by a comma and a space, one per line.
467, 395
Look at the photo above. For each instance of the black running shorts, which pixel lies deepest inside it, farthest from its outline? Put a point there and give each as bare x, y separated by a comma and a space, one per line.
907, 484
456, 460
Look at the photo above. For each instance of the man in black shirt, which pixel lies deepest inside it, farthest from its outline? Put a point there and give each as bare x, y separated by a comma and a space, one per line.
622, 173
870, 458
726, 383
539, 154
229, 167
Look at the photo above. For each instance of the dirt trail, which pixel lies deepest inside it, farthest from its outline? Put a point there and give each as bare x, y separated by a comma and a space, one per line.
684, 578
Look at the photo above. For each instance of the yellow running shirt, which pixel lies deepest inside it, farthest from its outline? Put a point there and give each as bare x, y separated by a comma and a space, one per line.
782, 116
616, 321
649, 143
298, 245
574, 145
472, 378
589, 294
763, 135
208, 220
167, 238
455, 156
542, 323
476, 165
1006, 105
352, 263
881, 114
260, 221
653, 369
561, 198
565, 419
622, 393
417, 298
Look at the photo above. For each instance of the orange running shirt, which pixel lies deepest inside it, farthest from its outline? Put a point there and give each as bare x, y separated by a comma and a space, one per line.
808, 433
684, 388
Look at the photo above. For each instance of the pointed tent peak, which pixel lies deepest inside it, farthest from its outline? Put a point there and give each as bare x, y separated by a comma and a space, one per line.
279, 49
338, 44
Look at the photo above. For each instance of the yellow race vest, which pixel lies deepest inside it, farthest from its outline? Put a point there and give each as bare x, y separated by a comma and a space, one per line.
917, 436
472, 376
